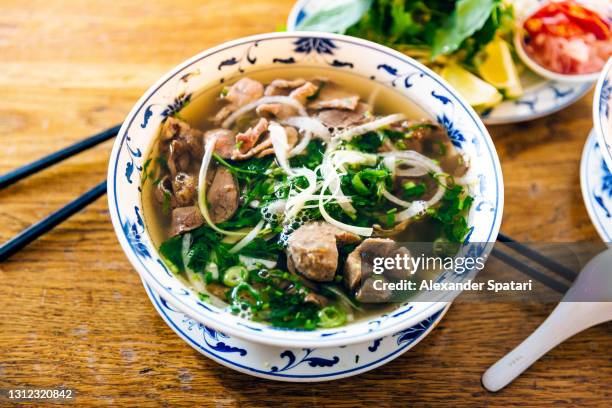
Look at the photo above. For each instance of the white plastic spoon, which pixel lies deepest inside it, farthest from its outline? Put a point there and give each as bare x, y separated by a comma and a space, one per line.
587, 303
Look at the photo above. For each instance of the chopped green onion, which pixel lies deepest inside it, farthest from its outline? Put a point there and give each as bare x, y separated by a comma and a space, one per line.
245, 287
234, 275
359, 186
331, 316
411, 189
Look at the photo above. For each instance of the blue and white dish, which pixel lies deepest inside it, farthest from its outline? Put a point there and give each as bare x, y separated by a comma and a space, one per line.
596, 184
602, 112
541, 97
291, 364
382, 65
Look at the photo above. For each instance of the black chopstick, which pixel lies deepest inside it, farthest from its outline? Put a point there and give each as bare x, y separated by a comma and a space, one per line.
529, 271
31, 168
46, 224
538, 257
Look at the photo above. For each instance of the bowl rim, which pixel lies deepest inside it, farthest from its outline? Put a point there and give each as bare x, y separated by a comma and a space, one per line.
603, 137
238, 330
218, 356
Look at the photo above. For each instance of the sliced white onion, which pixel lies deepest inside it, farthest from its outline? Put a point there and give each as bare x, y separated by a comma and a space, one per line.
417, 208
394, 199
327, 197
278, 136
312, 125
248, 238
285, 100
251, 263
335, 161
414, 158
415, 171
370, 126
297, 202
300, 147
352, 157
363, 231
209, 148
421, 166
332, 180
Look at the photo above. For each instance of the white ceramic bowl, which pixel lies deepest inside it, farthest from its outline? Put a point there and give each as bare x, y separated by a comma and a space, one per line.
334, 52
602, 112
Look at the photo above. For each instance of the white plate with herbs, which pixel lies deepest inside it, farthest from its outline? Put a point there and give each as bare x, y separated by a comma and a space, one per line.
500, 88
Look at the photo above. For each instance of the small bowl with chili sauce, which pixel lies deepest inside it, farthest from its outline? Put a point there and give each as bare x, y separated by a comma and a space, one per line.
565, 40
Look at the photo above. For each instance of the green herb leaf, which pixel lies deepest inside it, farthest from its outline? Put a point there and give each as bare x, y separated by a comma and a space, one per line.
468, 17
333, 16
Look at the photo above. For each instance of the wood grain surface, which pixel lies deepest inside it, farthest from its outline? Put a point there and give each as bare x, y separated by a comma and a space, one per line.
73, 312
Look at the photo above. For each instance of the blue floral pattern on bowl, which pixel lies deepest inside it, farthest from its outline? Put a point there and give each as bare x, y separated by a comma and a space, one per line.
596, 184
227, 62
291, 364
602, 119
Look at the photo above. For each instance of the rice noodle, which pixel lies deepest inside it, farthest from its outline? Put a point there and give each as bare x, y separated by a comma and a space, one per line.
248, 238
370, 126
209, 148
285, 100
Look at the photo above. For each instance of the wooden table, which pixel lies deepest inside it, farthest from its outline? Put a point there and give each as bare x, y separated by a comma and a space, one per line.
73, 312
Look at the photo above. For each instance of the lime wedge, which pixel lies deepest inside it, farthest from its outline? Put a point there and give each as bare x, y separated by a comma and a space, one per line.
477, 92
498, 69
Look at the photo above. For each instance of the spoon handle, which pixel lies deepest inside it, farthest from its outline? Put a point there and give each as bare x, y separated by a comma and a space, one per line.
567, 319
